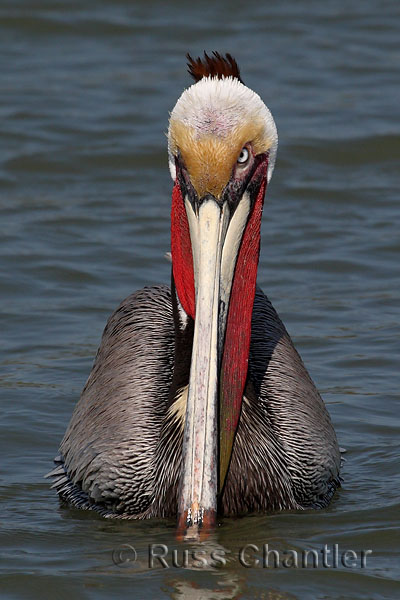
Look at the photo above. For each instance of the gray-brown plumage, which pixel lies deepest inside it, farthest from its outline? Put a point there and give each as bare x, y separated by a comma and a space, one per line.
121, 452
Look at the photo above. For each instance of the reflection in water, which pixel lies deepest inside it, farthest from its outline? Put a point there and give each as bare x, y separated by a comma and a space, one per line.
223, 580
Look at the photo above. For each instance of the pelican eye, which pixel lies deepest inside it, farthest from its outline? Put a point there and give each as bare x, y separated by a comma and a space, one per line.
243, 156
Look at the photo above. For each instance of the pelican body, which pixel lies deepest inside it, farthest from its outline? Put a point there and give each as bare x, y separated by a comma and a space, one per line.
198, 403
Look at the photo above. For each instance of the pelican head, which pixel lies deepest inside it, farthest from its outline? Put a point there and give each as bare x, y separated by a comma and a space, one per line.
222, 144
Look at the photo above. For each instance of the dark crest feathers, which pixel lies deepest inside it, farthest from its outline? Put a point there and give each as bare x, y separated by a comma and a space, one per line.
213, 66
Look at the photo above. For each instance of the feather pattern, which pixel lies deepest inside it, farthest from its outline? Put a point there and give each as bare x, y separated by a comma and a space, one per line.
121, 454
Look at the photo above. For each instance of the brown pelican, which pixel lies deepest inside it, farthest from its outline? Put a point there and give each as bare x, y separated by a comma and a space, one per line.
198, 403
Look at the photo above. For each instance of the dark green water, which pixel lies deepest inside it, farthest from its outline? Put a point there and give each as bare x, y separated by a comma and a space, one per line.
84, 218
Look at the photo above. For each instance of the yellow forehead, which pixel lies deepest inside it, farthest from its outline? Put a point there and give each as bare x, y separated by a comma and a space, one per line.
210, 158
